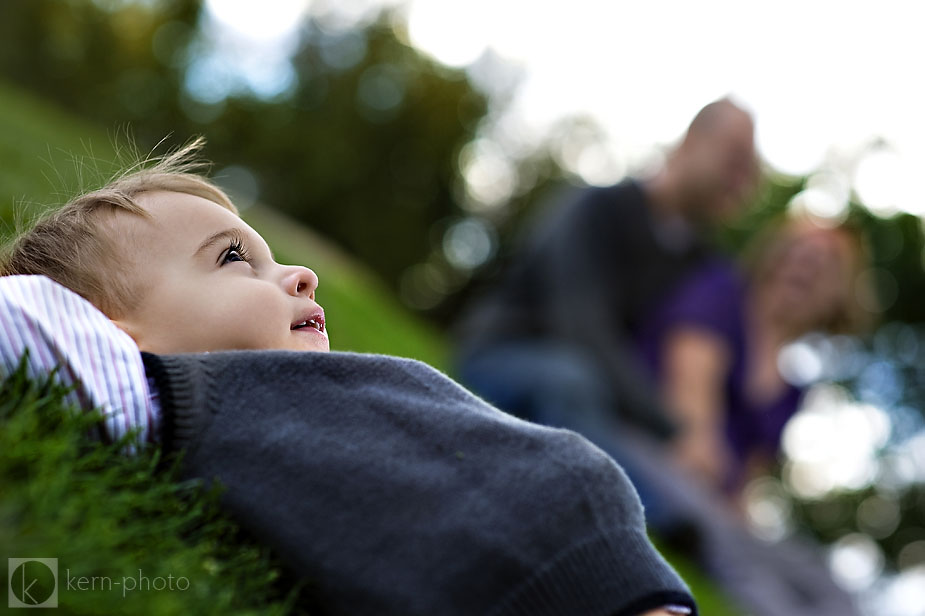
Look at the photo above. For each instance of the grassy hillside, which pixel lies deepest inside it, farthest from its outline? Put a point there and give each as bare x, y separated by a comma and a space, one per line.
38, 144
42, 151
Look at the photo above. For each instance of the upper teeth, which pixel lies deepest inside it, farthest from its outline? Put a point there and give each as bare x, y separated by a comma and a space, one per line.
311, 323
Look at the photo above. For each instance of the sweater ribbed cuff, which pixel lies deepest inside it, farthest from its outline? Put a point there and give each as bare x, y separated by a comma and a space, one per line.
183, 415
604, 576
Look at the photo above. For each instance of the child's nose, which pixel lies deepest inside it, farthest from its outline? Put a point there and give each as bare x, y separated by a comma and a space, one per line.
300, 281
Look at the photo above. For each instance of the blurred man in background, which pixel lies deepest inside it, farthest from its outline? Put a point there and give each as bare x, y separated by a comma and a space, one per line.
552, 341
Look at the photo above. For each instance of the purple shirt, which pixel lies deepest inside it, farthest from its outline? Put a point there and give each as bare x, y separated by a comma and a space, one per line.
713, 298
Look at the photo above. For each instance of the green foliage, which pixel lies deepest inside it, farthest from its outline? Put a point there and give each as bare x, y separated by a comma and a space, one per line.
897, 250
104, 514
899, 531
769, 204
373, 172
102, 59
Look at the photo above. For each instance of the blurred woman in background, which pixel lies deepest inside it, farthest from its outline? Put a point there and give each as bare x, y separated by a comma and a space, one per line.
713, 346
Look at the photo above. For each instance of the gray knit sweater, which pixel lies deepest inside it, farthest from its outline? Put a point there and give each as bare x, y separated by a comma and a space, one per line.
393, 490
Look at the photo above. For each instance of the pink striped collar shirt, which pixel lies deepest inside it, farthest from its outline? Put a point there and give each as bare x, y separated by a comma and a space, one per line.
62, 329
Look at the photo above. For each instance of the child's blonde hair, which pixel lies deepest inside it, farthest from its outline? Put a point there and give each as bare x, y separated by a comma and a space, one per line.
75, 244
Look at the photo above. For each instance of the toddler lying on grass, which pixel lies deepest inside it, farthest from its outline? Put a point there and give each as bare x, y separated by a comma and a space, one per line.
387, 486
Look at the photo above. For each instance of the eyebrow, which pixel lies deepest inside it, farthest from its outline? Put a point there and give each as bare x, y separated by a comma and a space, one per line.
219, 237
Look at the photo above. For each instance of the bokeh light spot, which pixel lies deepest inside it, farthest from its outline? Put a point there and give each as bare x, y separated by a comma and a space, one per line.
469, 243
878, 516
241, 185
490, 176
856, 561
266, 20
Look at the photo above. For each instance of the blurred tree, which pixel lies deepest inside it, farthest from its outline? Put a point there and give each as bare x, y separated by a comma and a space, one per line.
96, 58
367, 152
363, 147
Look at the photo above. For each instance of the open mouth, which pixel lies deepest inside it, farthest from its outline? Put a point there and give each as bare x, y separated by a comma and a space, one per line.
316, 323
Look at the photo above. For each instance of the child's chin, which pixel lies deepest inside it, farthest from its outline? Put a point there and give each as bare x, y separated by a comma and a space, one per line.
323, 346
315, 347
315, 342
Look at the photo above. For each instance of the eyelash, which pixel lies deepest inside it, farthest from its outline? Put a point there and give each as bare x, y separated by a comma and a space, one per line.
236, 247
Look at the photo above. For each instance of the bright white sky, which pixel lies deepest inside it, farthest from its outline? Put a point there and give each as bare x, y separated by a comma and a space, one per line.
825, 79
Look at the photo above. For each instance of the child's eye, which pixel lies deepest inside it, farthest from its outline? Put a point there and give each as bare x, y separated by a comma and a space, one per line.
235, 252
232, 255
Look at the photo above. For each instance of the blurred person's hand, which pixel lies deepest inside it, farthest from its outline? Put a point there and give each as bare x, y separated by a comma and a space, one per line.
704, 454
696, 366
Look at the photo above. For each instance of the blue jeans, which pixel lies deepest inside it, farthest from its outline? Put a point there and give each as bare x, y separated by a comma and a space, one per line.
542, 382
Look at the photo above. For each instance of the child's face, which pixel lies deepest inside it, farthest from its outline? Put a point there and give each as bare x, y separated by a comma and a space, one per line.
209, 282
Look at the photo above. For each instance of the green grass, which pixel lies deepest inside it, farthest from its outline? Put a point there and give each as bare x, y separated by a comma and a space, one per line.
108, 517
